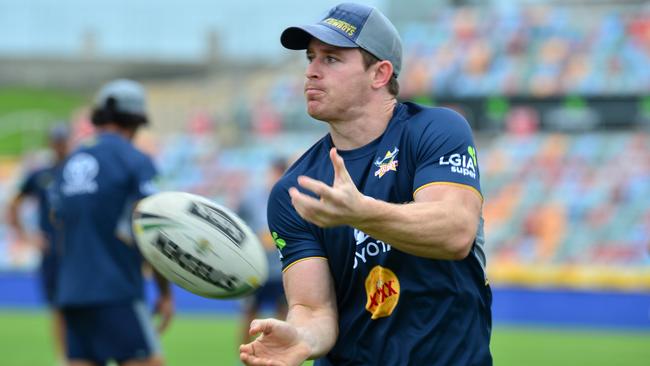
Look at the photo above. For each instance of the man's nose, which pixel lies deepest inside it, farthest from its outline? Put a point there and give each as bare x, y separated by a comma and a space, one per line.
312, 71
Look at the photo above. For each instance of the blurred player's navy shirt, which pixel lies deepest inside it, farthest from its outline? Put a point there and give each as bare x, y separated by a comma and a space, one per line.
93, 198
36, 185
39, 184
395, 308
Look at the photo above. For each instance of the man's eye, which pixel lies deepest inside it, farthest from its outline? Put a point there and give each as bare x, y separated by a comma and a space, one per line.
330, 59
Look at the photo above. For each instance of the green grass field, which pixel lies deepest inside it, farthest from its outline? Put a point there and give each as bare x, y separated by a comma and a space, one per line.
25, 115
212, 340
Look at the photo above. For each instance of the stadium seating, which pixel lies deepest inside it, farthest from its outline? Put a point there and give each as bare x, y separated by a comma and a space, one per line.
554, 199
532, 50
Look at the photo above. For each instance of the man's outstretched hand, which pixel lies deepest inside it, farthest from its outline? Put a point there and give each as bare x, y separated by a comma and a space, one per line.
342, 203
279, 344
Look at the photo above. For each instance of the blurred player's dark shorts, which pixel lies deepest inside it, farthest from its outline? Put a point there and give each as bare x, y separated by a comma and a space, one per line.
118, 332
269, 295
48, 273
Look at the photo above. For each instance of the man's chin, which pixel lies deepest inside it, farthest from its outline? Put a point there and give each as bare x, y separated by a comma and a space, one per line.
319, 117
315, 113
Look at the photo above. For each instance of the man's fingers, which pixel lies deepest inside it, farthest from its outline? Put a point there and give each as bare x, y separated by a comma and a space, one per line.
321, 189
248, 359
340, 172
247, 354
301, 200
246, 349
251, 360
256, 327
307, 206
264, 326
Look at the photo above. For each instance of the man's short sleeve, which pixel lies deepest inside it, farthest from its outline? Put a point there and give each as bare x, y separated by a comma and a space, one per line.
30, 185
145, 175
293, 236
446, 153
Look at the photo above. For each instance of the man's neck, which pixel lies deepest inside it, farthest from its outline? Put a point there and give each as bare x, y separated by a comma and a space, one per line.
360, 131
124, 132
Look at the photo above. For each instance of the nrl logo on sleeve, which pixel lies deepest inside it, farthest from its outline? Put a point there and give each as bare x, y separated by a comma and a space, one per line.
387, 163
461, 163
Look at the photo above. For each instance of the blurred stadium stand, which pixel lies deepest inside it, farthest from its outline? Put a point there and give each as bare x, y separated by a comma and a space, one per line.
558, 94
543, 50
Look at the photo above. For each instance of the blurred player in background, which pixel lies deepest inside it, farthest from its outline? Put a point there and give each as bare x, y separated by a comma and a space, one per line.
100, 277
35, 186
253, 211
379, 223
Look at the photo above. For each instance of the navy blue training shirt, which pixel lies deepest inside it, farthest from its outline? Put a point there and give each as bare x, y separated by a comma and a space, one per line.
95, 193
37, 185
395, 308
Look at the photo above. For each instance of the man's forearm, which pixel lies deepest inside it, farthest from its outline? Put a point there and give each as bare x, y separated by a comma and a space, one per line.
436, 229
13, 215
162, 284
317, 328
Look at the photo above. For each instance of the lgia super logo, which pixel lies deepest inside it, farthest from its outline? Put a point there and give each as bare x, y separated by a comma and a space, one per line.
461, 163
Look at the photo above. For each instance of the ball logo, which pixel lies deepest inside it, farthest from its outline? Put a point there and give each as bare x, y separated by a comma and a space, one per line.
202, 246
382, 290
219, 220
194, 265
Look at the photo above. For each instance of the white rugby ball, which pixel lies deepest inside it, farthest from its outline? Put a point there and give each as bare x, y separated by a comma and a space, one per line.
199, 245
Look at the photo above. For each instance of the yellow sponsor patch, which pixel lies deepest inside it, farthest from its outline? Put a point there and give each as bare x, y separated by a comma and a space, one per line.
382, 290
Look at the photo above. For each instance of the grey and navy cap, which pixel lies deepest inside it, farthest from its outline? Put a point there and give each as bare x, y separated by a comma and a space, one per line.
351, 25
60, 132
128, 97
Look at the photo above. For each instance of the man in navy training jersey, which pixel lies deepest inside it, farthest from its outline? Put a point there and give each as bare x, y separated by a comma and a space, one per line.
252, 210
35, 186
100, 279
379, 223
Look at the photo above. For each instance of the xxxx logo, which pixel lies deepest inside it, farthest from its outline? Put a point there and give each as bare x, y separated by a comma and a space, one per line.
382, 290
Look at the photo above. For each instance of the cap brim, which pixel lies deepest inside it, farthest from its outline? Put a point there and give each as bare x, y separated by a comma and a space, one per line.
297, 38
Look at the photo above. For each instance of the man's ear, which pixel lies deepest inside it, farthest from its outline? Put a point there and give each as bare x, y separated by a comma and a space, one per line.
383, 71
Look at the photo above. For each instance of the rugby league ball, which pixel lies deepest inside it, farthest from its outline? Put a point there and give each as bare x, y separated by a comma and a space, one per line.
199, 245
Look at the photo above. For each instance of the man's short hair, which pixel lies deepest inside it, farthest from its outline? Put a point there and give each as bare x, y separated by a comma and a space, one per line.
368, 60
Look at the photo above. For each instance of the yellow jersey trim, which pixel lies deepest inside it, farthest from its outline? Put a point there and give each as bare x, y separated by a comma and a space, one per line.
465, 186
300, 260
